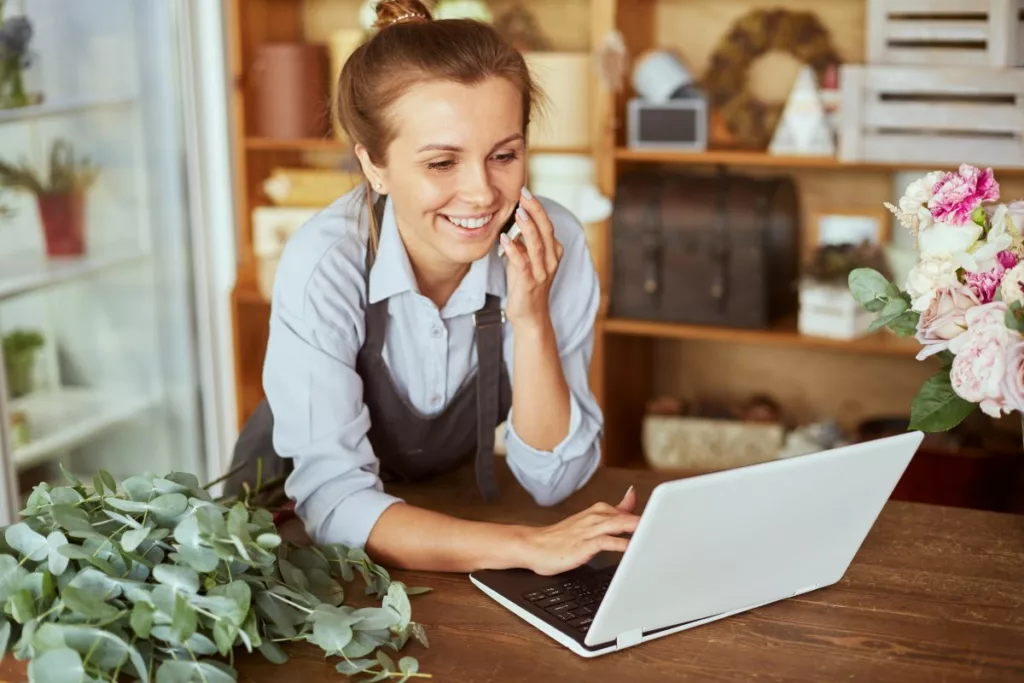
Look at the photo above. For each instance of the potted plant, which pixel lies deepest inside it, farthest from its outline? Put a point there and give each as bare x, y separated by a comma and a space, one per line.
827, 308
61, 196
15, 34
20, 348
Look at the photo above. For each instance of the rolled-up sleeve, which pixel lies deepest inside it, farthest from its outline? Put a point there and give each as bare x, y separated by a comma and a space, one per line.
551, 476
320, 419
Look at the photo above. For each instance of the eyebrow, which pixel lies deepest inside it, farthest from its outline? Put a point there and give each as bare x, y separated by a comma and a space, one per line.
455, 148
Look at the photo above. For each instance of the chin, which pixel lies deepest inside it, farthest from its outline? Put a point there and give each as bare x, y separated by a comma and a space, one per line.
469, 238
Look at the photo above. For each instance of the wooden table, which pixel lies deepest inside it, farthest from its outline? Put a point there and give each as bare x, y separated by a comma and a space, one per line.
935, 594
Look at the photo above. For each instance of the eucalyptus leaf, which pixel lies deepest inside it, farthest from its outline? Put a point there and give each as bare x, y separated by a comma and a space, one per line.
71, 518
123, 519
11, 575
184, 579
355, 666
179, 671
398, 601
56, 561
5, 634
168, 507
65, 495
89, 605
57, 666
273, 652
29, 543
131, 539
127, 505
332, 629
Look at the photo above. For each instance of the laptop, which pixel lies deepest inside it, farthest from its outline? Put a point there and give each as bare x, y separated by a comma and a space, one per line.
712, 546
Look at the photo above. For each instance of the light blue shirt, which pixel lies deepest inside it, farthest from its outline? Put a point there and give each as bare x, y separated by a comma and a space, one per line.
316, 330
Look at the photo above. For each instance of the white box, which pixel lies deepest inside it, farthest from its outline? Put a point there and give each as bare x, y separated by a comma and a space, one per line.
272, 226
932, 115
831, 311
945, 32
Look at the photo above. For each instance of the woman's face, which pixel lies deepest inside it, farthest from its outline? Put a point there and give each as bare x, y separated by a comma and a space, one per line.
455, 168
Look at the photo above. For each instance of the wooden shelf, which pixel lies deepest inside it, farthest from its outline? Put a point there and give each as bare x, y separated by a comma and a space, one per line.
335, 145
785, 334
763, 159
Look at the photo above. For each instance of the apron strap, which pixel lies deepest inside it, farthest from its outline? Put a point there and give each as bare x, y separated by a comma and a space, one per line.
489, 321
376, 315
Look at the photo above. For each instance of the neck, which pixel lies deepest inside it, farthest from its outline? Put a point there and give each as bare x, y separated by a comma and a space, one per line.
436, 277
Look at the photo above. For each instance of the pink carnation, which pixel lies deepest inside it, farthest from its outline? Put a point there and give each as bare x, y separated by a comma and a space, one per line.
982, 355
957, 195
984, 285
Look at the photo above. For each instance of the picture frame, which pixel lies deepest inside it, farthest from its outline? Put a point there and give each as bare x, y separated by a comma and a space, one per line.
839, 224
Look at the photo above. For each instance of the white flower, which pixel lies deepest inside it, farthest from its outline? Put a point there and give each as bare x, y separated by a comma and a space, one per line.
927, 277
915, 198
943, 239
981, 258
1011, 285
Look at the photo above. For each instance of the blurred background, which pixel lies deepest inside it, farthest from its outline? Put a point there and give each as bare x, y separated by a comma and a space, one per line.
729, 160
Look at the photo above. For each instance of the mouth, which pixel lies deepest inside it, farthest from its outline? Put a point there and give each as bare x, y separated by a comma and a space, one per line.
471, 223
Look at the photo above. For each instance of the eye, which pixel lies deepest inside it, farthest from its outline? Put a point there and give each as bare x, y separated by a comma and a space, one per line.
506, 158
441, 165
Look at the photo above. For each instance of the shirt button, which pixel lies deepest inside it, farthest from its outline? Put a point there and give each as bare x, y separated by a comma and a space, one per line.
435, 399
436, 331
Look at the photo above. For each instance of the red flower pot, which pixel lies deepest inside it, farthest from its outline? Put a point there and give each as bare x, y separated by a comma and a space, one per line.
63, 217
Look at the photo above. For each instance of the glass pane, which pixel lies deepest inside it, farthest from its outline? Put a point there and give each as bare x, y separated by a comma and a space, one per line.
100, 356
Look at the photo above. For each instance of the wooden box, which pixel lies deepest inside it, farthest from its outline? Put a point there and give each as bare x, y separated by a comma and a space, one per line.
936, 115
945, 32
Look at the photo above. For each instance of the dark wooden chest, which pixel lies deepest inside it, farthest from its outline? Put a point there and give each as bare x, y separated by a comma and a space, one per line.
716, 250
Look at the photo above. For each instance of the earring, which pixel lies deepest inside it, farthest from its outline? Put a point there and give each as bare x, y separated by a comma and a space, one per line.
376, 185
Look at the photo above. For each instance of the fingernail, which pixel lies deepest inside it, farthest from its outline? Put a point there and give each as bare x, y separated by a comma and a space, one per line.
522, 215
526, 193
503, 238
629, 490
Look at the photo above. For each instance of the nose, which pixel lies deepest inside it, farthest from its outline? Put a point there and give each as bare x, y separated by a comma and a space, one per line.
477, 187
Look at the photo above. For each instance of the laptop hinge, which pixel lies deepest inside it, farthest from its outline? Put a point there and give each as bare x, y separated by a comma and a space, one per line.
629, 638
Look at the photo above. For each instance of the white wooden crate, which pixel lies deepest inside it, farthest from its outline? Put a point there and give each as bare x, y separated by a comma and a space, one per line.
945, 32
935, 115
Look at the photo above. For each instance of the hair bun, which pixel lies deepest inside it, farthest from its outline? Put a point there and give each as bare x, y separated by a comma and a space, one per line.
400, 11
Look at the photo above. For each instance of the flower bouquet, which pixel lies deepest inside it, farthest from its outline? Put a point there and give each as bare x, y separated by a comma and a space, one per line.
963, 299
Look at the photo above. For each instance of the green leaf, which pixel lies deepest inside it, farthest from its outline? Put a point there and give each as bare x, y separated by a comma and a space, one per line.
181, 671
293, 576
1015, 316
871, 289
375, 618
184, 620
138, 488
179, 579
57, 666
417, 590
199, 558
127, 505
386, 662
273, 652
397, 600
408, 665
355, 666
5, 636
21, 606
937, 407
268, 541
30, 544
65, 495
89, 605
142, 619
56, 561
332, 629
76, 552
905, 324
133, 538
71, 519
168, 507
11, 575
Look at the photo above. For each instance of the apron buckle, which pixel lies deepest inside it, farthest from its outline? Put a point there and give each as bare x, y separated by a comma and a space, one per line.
485, 318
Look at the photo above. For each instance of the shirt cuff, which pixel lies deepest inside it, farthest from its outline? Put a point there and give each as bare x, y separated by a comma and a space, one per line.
349, 521
546, 467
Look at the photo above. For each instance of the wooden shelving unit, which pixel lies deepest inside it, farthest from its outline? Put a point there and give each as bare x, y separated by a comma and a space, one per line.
633, 360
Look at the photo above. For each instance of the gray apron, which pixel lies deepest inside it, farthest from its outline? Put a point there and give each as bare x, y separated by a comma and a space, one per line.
409, 445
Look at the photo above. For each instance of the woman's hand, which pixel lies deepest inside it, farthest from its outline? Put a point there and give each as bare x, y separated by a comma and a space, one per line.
532, 263
575, 541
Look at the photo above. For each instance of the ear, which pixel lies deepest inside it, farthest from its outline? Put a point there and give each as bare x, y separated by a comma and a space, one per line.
372, 172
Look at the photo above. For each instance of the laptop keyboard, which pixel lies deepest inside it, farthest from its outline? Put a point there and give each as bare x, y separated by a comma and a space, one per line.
575, 600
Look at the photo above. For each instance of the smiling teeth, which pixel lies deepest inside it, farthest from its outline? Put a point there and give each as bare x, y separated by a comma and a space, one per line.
470, 223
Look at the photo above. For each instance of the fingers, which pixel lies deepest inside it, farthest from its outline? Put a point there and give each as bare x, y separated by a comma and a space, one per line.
628, 503
534, 245
612, 544
623, 524
539, 217
516, 254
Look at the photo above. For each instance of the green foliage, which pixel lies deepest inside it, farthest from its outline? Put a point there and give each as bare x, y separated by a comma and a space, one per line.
152, 579
67, 174
21, 341
937, 408
877, 294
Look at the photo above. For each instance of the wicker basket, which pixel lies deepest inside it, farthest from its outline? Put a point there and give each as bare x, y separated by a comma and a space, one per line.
696, 444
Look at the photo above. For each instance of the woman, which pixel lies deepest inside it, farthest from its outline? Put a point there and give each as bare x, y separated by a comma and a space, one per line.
397, 329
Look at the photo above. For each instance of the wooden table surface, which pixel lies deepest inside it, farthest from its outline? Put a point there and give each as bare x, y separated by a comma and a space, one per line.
935, 594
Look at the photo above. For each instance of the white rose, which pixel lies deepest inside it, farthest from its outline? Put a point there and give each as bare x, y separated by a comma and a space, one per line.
927, 277
1011, 285
942, 239
915, 198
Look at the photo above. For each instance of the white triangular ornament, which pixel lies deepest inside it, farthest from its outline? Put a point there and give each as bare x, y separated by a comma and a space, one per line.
803, 127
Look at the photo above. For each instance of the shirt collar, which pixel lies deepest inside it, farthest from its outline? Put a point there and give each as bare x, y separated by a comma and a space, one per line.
392, 272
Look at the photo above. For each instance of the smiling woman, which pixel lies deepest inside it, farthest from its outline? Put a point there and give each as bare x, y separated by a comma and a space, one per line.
406, 325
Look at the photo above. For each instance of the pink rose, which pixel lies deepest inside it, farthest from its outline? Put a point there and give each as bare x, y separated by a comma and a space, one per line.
985, 284
1013, 382
943, 320
957, 195
982, 352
